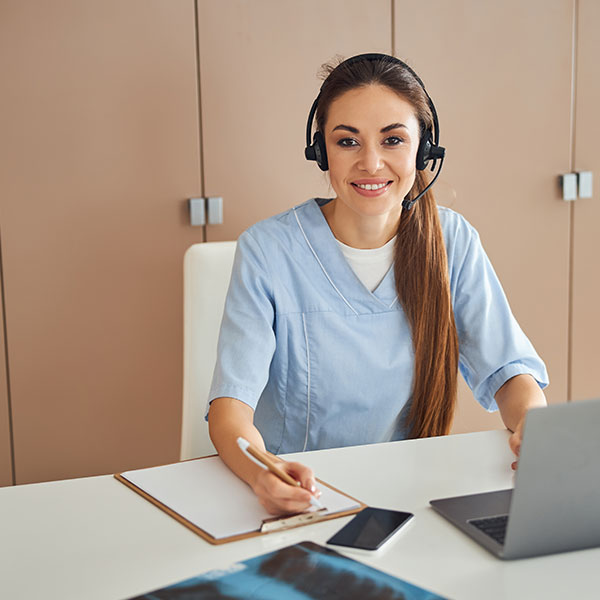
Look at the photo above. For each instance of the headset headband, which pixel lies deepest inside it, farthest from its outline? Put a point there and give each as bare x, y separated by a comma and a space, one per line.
373, 56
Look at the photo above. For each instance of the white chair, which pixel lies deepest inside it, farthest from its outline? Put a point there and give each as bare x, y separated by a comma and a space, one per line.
207, 270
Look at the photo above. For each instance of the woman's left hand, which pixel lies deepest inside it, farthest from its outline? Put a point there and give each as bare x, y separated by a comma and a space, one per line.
514, 399
514, 441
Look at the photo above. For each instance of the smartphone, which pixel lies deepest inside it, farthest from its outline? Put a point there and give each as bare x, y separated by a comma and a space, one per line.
370, 528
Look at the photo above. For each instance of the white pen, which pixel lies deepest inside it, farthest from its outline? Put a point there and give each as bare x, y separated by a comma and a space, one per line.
265, 462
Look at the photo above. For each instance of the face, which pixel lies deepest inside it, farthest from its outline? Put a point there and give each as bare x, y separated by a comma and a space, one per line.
372, 136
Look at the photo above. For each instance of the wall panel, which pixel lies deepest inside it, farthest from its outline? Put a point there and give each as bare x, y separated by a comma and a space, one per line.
500, 75
259, 63
586, 226
100, 150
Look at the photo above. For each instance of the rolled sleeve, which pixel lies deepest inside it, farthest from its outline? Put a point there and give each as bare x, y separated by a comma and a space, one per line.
492, 346
246, 339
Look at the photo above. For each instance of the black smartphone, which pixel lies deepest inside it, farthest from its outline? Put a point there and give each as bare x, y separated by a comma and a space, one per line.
370, 528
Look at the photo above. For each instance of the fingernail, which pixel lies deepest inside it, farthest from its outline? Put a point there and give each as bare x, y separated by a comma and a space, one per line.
313, 489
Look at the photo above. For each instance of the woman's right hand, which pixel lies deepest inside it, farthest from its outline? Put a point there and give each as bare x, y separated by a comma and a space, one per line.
279, 497
229, 419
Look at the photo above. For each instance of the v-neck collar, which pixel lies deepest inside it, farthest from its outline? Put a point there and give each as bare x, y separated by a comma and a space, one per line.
324, 246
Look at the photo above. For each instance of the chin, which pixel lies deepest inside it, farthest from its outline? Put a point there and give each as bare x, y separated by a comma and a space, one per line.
376, 207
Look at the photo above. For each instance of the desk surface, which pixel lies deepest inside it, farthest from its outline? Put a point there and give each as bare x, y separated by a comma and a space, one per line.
94, 538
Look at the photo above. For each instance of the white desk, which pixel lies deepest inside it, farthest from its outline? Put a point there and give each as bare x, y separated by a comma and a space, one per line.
94, 538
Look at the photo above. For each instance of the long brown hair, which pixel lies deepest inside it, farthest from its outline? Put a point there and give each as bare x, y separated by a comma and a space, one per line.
420, 262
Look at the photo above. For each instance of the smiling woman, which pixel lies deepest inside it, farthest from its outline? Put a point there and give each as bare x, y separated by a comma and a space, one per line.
372, 163
348, 319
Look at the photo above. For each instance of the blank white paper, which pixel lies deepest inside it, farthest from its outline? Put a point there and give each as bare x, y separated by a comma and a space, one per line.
207, 494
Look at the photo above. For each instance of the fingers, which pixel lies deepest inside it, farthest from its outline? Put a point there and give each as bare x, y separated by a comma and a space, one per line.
515, 447
305, 476
279, 497
514, 441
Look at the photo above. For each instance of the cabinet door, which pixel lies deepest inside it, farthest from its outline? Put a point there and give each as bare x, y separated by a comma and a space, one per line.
499, 73
585, 361
258, 66
6, 475
100, 150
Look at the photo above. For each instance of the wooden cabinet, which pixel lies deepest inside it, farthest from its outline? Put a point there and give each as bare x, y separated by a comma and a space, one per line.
258, 68
500, 75
585, 212
100, 150
115, 113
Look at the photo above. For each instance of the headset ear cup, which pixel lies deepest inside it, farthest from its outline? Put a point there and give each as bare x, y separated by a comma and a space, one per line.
320, 151
424, 151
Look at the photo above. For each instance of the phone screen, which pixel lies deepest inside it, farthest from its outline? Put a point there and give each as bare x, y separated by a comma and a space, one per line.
370, 528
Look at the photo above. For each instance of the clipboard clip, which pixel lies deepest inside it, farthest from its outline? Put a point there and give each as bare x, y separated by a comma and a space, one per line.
288, 521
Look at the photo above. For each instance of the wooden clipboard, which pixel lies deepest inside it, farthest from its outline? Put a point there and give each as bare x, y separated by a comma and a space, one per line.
268, 524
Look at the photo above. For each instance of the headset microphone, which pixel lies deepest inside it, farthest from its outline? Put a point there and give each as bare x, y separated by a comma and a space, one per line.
408, 204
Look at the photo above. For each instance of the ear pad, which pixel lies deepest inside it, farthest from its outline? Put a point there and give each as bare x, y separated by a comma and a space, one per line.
424, 150
320, 152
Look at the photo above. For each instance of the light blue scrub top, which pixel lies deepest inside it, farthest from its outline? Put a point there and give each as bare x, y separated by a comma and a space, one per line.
323, 361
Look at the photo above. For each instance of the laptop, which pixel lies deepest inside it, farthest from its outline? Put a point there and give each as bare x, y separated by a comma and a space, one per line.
555, 504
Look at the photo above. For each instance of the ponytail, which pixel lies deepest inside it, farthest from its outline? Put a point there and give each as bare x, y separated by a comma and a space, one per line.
423, 286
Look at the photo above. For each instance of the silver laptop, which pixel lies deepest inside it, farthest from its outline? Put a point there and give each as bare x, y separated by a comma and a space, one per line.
555, 503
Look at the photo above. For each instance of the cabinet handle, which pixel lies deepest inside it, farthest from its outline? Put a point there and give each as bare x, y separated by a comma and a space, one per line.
569, 186
584, 183
206, 211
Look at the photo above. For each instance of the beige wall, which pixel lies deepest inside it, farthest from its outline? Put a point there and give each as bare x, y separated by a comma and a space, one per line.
106, 134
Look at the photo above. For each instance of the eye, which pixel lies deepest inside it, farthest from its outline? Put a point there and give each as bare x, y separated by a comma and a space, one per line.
393, 140
347, 142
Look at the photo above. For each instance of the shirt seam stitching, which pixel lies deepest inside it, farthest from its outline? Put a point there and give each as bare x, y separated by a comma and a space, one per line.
321, 264
307, 384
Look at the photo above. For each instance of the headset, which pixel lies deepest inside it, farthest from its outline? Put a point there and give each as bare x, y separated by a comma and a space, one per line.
429, 148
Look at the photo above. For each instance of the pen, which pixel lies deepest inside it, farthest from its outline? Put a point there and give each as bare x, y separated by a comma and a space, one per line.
265, 462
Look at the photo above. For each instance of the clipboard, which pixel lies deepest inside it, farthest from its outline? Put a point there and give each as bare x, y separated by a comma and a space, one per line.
205, 496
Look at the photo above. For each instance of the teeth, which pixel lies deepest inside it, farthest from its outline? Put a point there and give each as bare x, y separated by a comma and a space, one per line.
370, 186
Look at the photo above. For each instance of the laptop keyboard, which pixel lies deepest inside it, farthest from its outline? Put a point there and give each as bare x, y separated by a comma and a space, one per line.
495, 527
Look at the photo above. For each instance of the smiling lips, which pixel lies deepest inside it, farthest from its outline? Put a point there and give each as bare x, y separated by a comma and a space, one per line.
371, 187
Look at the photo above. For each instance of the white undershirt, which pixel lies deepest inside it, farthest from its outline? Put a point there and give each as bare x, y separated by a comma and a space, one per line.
370, 265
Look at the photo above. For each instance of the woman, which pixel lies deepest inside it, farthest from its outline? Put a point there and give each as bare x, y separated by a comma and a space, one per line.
323, 343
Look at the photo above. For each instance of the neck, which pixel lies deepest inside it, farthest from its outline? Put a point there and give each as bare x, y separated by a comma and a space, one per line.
360, 231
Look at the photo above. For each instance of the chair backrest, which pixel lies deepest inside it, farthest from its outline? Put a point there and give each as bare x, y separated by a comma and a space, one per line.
207, 270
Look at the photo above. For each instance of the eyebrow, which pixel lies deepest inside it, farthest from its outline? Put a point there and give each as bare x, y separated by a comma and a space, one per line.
383, 130
394, 126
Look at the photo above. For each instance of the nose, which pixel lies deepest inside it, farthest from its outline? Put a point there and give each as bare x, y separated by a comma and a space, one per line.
370, 159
